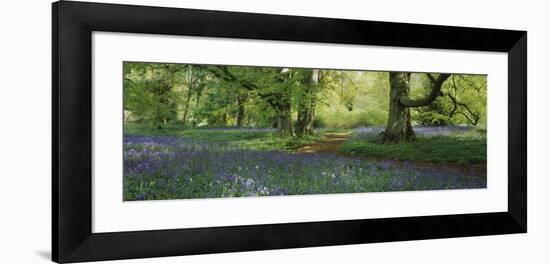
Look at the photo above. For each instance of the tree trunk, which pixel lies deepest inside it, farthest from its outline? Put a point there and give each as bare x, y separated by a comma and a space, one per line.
197, 103
399, 121
161, 115
313, 103
224, 119
309, 121
240, 111
304, 123
186, 107
283, 106
301, 121
284, 120
189, 93
306, 107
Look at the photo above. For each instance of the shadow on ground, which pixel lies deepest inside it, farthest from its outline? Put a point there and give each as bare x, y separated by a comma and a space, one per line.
44, 254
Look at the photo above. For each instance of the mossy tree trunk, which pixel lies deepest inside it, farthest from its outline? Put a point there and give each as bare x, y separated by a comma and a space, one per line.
281, 103
284, 120
307, 104
399, 126
399, 120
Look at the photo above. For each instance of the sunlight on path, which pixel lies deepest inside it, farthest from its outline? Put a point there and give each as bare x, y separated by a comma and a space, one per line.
329, 144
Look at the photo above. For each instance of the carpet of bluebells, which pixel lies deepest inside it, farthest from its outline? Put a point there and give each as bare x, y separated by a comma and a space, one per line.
170, 167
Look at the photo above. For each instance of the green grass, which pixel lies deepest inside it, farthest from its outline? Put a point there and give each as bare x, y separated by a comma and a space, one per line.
460, 147
244, 138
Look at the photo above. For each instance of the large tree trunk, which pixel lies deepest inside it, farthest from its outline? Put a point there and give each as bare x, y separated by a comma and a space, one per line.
306, 106
304, 123
301, 121
399, 121
282, 105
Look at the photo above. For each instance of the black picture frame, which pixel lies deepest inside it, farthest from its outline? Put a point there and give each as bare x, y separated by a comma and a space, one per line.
73, 24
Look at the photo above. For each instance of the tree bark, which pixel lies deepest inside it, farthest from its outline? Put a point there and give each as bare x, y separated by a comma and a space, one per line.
160, 114
313, 102
399, 120
190, 84
240, 111
306, 106
399, 126
310, 118
197, 103
301, 121
186, 107
284, 120
281, 103
435, 91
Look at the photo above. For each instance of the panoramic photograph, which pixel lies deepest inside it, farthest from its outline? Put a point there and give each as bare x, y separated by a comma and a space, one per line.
218, 131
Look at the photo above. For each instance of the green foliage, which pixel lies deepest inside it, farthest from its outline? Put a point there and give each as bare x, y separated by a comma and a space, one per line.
162, 95
149, 94
370, 102
462, 101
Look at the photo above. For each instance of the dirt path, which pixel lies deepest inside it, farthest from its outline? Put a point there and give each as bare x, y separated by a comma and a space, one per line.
328, 144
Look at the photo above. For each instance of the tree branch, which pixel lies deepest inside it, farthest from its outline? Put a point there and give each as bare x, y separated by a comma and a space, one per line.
436, 84
473, 122
472, 84
223, 73
455, 106
473, 118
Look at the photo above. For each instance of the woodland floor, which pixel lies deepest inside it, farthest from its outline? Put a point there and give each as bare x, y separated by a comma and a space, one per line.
214, 163
331, 143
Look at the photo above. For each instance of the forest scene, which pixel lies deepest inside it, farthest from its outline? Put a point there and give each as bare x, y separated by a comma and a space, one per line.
214, 131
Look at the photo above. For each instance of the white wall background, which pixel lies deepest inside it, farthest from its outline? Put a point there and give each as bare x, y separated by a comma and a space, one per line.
25, 69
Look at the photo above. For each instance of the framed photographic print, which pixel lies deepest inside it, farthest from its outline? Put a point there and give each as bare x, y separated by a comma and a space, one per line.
179, 131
